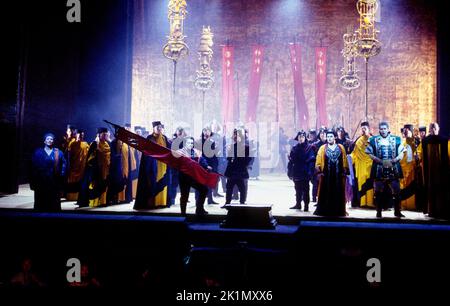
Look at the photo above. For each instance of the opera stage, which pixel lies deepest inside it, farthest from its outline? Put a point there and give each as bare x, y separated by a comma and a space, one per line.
268, 69
275, 189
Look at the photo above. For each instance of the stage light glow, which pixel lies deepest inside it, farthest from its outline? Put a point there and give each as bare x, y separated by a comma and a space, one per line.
403, 88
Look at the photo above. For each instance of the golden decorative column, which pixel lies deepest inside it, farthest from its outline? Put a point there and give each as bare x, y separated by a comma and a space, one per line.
349, 79
204, 79
176, 48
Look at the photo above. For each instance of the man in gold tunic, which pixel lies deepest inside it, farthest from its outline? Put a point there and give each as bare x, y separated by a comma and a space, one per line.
77, 154
408, 184
153, 175
363, 166
94, 186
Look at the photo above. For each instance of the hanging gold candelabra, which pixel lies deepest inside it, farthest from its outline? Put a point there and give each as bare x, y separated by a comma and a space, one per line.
366, 44
204, 79
176, 48
349, 79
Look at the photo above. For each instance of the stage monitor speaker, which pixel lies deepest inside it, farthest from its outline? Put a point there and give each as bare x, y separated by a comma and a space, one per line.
249, 216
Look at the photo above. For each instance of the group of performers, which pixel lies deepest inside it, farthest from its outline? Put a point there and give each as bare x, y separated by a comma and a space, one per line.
409, 172
102, 172
107, 172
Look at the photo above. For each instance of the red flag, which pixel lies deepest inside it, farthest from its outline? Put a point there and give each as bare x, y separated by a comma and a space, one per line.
169, 157
321, 77
255, 82
300, 100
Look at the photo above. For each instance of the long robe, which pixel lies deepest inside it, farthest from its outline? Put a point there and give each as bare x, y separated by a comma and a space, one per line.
118, 172
436, 171
334, 167
94, 185
363, 165
408, 184
132, 174
46, 179
154, 179
77, 155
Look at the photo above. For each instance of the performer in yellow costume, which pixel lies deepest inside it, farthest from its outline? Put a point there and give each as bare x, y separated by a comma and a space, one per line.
154, 176
77, 155
94, 185
363, 166
408, 184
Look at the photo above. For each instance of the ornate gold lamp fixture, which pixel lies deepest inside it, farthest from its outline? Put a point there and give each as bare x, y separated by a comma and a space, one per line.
204, 79
349, 79
176, 48
367, 44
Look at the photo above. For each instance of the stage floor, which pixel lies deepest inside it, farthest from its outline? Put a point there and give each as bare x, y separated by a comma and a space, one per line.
275, 189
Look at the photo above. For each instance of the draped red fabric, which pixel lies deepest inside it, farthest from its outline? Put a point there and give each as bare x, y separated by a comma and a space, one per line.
228, 101
321, 78
296, 63
169, 157
255, 83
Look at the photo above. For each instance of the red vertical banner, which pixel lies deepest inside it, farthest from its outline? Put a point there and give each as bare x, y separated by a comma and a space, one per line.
299, 95
227, 84
321, 79
255, 83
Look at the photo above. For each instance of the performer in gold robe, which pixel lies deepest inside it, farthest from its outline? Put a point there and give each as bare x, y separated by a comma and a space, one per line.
154, 177
363, 166
408, 184
95, 180
71, 133
77, 154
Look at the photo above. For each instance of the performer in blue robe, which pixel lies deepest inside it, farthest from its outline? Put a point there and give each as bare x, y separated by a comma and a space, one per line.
48, 169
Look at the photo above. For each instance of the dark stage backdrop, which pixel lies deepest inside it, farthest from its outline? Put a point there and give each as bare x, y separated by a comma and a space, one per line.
75, 73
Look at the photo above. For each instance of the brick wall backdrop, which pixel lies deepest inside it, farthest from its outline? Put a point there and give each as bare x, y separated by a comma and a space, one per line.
402, 86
